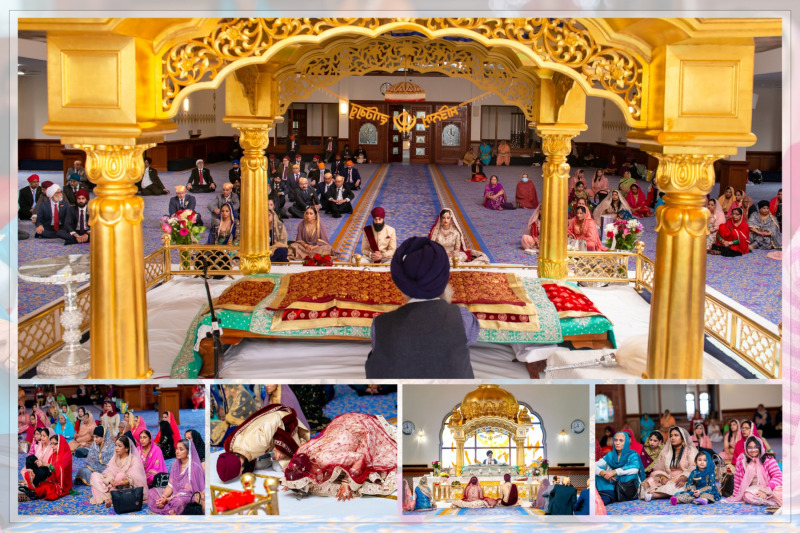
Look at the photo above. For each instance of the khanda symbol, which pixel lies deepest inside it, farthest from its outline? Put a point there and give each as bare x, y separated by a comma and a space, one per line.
405, 121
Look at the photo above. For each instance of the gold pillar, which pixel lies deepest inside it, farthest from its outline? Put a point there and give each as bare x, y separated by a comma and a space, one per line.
459, 455
117, 289
520, 454
675, 347
254, 244
555, 172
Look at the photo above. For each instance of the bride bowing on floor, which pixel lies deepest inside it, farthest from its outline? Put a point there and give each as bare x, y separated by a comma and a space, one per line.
447, 232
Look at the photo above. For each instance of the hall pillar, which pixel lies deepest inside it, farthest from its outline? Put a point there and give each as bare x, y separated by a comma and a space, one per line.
677, 308
556, 145
520, 443
459, 455
254, 244
117, 290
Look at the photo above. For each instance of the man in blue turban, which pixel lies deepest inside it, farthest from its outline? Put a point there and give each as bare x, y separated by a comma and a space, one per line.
428, 337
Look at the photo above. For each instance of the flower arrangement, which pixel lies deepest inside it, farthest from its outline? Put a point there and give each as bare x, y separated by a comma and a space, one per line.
436, 467
319, 260
181, 227
622, 234
544, 466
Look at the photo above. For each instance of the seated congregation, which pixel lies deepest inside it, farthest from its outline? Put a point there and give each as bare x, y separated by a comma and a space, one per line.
705, 469
325, 444
85, 451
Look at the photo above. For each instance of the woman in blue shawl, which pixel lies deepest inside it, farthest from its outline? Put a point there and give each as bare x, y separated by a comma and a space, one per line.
647, 426
617, 466
701, 487
486, 153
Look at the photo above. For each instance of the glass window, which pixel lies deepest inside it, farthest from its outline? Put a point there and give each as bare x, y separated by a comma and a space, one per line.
395, 150
368, 134
395, 138
420, 139
690, 405
704, 404
420, 151
420, 124
603, 409
451, 135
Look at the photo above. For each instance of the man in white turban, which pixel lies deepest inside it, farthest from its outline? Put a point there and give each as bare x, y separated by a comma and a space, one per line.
52, 215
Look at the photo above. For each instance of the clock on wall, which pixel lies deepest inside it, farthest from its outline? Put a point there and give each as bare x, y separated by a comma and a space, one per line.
577, 426
385, 86
408, 427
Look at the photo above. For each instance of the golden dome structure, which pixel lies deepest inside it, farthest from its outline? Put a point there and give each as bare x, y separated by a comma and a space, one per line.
404, 91
489, 400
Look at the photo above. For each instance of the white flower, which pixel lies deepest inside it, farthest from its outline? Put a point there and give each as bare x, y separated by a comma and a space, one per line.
632, 224
610, 228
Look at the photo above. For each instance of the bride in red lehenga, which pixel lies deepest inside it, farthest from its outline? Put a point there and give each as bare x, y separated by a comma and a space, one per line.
355, 455
473, 496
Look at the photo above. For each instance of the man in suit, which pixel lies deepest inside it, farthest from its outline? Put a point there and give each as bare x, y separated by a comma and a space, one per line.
330, 149
298, 160
77, 168
340, 199
322, 191
316, 172
52, 215
227, 196
235, 173
200, 179
278, 195
72, 188
352, 179
182, 200
337, 167
292, 147
292, 182
273, 166
150, 184
28, 196
76, 229
303, 198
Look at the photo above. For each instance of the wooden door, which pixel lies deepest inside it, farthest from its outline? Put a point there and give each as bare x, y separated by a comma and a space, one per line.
420, 135
606, 396
450, 137
370, 134
395, 144
170, 401
299, 126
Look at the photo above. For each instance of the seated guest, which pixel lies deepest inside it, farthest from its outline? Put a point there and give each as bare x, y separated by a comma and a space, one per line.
292, 181
198, 397
765, 232
346, 154
337, 167
725, 202
508, 492
738, 199
340, 199
503, 154
525, 194
181, 201
469, 157
77, 168
85, 434
490, 460
635, 445
100, 453
64, 428
227, 196
447, 232
666, 421
59, 481
613, 204
775, 208
150, 184
76, 227
543, 496
316, 173
235, 151
530, 241
494, 196
577, 177
582, 228
330, 149
311, 237
278, 195
292, 147
186, 477
578, 193
421, 271
168, 434
284, 169
200, 180
304, 197
758, 479
612, 167
699, 437
72, 188
733, 237
273, 165
110, 418
701, 487
240, 404
638, 202
152, 457
43, 199
278, 241
298, 160
28, 197
747, 429
477, 171
199, 444
52, 215
620, 465
36, 467
625, 183
715, 220
26, 425
323, 188
646, 426
380, 240
582, 505
235, 173
651, 449
360, 155
748, 207
473, 496
672, 468
714, 431
423, 496
600, 187
486, 152
124, 470
352, 178
761, 418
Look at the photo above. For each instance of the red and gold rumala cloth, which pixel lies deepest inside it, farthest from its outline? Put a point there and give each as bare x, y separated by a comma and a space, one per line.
569, 301
329, 298
244, 295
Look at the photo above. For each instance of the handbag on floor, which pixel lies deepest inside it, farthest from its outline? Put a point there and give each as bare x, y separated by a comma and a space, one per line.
726, 485
194, 507
127, 500
82, 452
161, 480
625, 491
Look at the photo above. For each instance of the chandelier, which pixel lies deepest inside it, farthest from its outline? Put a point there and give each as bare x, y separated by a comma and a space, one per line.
404, 91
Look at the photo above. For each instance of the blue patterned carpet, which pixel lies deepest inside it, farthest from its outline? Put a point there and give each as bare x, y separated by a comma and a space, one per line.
500, 512
752, 280
663, 507
411, 203
78, 504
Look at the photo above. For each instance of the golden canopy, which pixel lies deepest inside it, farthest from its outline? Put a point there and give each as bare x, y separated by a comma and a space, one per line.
489, 400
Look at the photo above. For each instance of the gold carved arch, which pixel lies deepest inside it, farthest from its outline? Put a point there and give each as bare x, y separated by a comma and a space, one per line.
616, 71
488, 70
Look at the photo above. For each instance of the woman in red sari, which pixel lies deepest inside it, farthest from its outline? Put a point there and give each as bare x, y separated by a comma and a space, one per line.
167, 416
733, 238
581, 227
473, 496
60, 481
638, 201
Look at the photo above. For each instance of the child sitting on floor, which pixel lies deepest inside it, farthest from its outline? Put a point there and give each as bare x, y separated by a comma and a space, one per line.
701, 487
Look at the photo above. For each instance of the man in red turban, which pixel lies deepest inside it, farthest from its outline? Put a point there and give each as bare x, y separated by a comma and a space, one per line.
28, 197
76, 227
380, 240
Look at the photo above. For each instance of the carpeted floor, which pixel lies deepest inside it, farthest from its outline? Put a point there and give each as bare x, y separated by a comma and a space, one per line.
663, 507
498, 511
78, 504
409, 195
